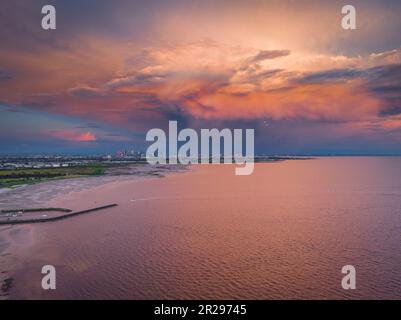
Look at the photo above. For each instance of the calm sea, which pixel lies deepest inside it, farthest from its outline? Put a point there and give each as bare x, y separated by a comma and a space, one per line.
283, 232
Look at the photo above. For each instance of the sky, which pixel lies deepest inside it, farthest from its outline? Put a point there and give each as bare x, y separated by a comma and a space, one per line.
112, 70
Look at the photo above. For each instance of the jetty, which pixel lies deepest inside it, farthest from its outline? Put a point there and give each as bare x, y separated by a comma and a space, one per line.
67, 213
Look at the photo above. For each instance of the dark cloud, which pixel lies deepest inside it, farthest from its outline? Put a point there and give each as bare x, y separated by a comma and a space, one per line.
382, 81
385, 82
84, 92
386, 75
4, 76
335, 75
253, 75
14, 110
269, 54
20, 19
139, 78
89, 125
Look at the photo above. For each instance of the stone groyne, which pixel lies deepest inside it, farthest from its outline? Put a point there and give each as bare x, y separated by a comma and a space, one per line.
68, 214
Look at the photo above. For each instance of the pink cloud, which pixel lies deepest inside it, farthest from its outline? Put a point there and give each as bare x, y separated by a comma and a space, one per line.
70, 135
87, 136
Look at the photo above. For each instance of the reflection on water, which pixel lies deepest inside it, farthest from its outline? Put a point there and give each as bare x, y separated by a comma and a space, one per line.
283, 232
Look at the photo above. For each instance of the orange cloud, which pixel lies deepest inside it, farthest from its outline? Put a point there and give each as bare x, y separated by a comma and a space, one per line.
202, 79
310, 101
87, 136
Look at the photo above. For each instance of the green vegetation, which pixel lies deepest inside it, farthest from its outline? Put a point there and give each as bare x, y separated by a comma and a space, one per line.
15, 177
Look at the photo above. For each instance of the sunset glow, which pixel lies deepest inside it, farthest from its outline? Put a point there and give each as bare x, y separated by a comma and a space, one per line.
216, 64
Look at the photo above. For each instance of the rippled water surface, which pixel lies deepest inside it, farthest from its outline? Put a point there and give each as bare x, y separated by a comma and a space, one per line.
282, 233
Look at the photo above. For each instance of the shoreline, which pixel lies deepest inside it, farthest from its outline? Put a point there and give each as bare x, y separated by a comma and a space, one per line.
40, 194
105, 170
47, 193
7, 245
4, 279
